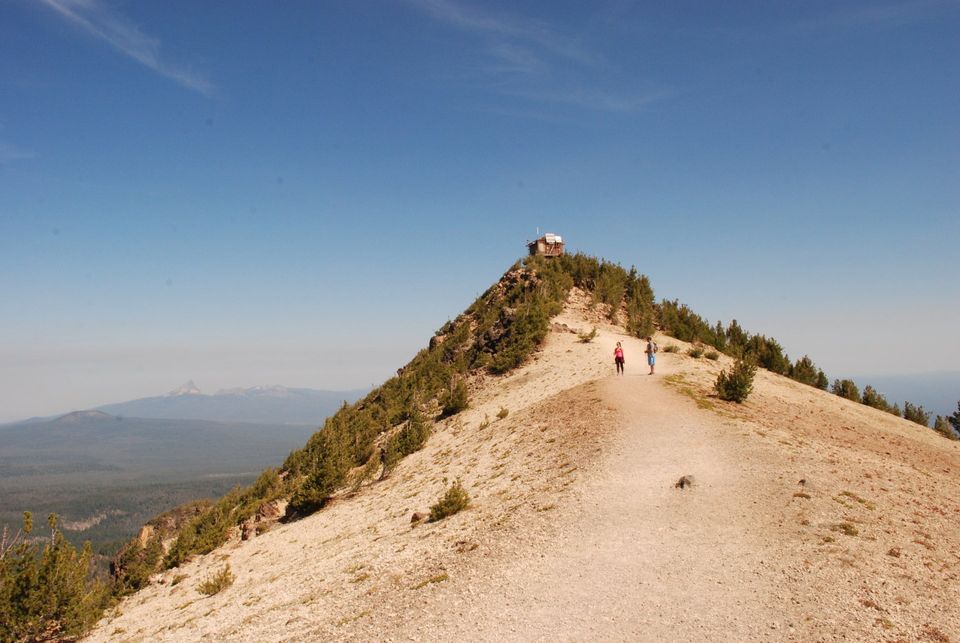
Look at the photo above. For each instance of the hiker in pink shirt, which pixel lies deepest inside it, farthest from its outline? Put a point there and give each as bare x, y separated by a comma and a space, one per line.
618, 358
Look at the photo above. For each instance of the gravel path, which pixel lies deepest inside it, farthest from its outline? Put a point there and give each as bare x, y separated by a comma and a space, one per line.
635, 558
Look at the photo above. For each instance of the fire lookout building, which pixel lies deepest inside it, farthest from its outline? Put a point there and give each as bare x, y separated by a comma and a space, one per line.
549, 245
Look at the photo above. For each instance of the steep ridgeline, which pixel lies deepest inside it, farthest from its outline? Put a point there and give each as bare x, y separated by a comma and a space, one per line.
364, 441
500, 330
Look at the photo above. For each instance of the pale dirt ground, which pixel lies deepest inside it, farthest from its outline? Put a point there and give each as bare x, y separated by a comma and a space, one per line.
576, 531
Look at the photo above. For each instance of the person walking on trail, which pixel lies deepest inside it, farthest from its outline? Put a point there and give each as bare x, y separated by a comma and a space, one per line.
618, 358
651, 354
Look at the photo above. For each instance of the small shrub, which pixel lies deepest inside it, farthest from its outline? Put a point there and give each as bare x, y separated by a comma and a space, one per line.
736, 386
845, 528
439, 578
712, 355
217, 582
586, 338
455, 500
696, 352
502, 413
672, 348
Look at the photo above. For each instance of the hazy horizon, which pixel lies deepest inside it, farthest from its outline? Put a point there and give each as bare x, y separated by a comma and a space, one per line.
301, 194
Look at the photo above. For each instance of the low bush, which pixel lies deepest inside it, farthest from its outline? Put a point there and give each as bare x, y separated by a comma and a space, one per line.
695, 352
736, 386
712, 355
455, 500
672, 348
502, 413
586, 338
216, 583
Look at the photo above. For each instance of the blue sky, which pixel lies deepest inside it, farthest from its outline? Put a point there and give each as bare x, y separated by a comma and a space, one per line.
301, 192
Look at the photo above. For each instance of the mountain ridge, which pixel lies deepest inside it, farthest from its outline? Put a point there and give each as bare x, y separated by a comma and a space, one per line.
576, 526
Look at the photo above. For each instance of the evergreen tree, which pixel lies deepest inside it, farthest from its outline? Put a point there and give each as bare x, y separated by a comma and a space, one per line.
942, 426
954, 419
805, 371
872, 398
45, 588
736, 337
916, 414
767, 353
846, 389
736, 386
822, 382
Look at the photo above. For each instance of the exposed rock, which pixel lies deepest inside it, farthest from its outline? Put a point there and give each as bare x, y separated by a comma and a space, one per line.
271, 510
684, 482
146, 532
417, 517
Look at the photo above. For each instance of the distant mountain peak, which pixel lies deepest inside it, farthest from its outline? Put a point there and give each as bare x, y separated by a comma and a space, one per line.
85, 415
274, 390
185, 389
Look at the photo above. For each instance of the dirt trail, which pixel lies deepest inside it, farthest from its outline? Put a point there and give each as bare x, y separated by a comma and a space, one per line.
636, 558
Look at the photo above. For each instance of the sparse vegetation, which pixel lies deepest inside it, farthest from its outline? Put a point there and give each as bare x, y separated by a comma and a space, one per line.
502, 413
852, 496
586, 338
695, 352
845, 528
455, 500
671, 348
217, 582
736, 386
439, 578
712, 355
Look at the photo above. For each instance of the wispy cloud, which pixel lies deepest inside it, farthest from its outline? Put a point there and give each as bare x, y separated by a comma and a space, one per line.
533, 60
10, 153
99, 20
510, 28
595, 99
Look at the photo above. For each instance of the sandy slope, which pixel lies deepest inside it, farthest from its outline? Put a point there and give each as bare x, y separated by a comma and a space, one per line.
577, 533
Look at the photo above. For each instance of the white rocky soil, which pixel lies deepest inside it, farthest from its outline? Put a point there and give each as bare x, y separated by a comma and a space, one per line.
809, 518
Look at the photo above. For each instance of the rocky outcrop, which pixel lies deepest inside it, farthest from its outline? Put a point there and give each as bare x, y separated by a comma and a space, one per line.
266, 515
